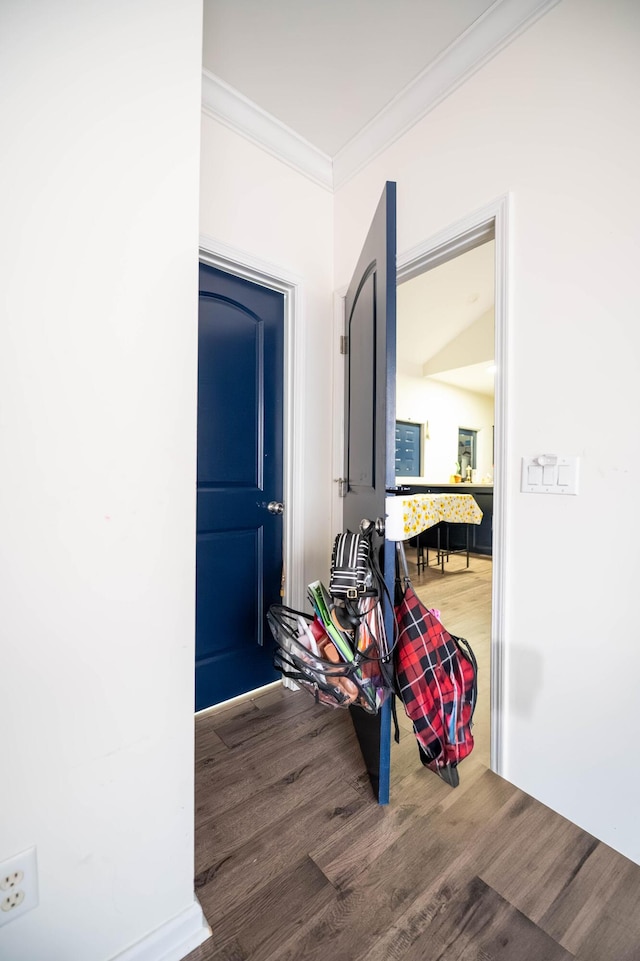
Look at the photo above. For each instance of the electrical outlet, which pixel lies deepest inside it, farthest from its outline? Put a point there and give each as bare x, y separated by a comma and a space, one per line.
13, 900
10, 881
18, 885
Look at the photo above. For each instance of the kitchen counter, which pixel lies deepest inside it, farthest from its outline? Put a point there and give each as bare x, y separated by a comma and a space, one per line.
424, 487
482, 534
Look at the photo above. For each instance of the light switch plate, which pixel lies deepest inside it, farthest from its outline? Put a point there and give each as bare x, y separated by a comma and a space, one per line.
549, 474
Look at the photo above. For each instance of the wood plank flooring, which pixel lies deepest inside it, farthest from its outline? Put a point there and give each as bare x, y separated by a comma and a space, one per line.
294, 859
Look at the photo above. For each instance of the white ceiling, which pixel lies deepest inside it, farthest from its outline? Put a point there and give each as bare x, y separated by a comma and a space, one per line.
479, 378
325, 85
437, 306
325, 68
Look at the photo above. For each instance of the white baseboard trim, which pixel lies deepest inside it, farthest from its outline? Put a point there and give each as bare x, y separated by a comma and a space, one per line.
239, 698
173, 940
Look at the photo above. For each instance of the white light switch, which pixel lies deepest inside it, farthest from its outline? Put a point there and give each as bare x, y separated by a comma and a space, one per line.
534, 474
549, 474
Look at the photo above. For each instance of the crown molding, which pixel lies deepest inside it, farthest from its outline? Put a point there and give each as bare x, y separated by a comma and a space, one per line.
500, 24
236, 111
495, 29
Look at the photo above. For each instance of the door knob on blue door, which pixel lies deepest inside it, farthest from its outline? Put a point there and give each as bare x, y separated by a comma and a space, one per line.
275, 507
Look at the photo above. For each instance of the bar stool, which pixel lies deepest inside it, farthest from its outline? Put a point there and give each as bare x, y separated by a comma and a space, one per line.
441, 546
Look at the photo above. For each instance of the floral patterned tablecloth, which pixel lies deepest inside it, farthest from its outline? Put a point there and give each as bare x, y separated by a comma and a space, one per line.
408, 516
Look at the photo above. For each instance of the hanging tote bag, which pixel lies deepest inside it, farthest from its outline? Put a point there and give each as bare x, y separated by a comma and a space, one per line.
322, 664
436, 679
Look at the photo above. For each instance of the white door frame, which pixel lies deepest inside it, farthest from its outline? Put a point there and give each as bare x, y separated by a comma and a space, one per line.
492, 220
241, 264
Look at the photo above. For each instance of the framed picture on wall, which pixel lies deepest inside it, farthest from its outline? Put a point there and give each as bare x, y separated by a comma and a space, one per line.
408, 449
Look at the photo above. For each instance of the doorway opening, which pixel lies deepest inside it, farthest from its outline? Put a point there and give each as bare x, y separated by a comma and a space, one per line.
450, 382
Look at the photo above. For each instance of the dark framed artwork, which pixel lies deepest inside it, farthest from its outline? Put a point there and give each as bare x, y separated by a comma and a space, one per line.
408, 449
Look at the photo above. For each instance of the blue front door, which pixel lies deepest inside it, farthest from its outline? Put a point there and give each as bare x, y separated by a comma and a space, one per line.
370, 387
240, 435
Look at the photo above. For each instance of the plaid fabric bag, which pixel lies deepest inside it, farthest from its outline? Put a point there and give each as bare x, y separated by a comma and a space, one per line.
436, 681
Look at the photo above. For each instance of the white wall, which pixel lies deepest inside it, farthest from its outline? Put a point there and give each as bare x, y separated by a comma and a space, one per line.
98, 321
552, 121
259, 206
446, 408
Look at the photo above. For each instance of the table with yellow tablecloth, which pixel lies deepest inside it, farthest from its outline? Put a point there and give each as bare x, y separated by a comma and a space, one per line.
410, 515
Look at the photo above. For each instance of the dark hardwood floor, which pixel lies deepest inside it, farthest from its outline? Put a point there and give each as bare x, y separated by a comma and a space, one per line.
295, 860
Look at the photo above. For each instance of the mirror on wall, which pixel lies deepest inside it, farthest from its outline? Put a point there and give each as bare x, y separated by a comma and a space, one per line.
445, 371
467, 460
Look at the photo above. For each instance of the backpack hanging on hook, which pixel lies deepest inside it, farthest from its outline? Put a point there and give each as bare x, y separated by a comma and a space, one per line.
351, 571
355, 574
